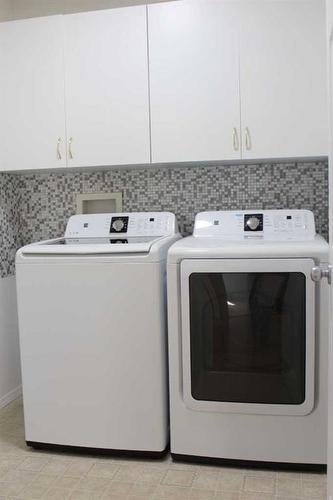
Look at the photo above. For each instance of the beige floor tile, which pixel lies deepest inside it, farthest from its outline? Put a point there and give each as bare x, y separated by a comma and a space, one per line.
234, 470
141, 490
67, 482
34, 464
44, 480
259, 484
314, 490
113, 496
201, 494
289, 486
78, 468
128, 473
138, 498
151, 475
85, 495
288, 498
229, 481
20, 476
57, 494
56, 467
183, 466
260, 473
226, 495
33, 492
93, 483
119, 488
289, 475
10, 461
11, 489
103, 469
176, 477
207, 480
256, 496
317, 478
3, 472
165, 492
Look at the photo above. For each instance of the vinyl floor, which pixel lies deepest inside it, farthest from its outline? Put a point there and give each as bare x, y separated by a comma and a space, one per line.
29, 474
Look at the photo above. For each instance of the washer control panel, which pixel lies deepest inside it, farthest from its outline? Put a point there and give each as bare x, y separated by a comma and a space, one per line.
129, 224
264, 224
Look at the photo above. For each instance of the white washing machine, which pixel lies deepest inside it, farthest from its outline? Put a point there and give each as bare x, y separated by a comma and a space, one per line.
92, 323
248, 330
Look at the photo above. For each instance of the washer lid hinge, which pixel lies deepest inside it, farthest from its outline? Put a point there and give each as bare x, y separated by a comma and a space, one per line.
322, 271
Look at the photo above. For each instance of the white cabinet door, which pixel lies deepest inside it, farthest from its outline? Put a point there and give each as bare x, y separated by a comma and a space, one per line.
32, 116
194, 81
283, 79
107, 100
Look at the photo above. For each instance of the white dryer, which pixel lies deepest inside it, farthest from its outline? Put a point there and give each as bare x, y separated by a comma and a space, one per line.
92, 324
248, 330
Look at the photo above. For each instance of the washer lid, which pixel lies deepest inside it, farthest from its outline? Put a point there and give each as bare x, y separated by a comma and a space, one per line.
92, 246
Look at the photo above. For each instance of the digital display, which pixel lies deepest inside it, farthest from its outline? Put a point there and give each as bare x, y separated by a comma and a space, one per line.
151, 219
289, 217
118, 241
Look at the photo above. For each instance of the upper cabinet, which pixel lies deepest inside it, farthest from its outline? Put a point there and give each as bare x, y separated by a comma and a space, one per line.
247, 75
86, 74
194, 81
106, 75
188, 80
32, 119
283, 79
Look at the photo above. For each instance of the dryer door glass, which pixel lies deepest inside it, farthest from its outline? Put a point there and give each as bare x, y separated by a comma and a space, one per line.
248, 337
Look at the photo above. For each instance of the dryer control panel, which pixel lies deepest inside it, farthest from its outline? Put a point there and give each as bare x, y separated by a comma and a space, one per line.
259, 224
129, 224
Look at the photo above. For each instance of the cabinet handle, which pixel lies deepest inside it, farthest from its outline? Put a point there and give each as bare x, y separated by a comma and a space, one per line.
235, 139
248, 143
58, 149
70, 148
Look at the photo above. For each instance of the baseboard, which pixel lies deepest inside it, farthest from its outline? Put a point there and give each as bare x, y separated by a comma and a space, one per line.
253, 464
99, 451
10, 396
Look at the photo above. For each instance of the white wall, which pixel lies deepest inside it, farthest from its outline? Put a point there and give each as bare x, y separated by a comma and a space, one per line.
34, 8
10, 374
6, 11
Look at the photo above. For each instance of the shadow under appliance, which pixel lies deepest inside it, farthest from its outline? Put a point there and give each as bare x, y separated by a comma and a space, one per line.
248, 331
92, 324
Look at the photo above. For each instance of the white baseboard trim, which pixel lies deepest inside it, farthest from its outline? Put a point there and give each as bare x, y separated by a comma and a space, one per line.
10, 396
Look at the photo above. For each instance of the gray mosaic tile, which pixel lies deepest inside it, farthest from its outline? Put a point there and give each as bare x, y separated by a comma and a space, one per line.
36, 206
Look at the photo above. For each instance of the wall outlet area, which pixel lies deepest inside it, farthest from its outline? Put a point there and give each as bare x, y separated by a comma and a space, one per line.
99, 203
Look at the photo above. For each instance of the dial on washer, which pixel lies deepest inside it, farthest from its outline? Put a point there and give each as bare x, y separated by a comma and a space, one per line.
253, 222
119, 225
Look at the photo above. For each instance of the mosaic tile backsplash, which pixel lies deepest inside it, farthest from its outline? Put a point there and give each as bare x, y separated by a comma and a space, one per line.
36, 206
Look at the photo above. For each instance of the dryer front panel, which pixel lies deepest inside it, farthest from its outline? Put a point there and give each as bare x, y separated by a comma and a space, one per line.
248, 336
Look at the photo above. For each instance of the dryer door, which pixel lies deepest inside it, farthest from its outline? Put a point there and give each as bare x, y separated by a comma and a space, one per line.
248, 335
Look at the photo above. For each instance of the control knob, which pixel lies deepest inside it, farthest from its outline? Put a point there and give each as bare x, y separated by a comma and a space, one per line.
118, 225
253, 223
